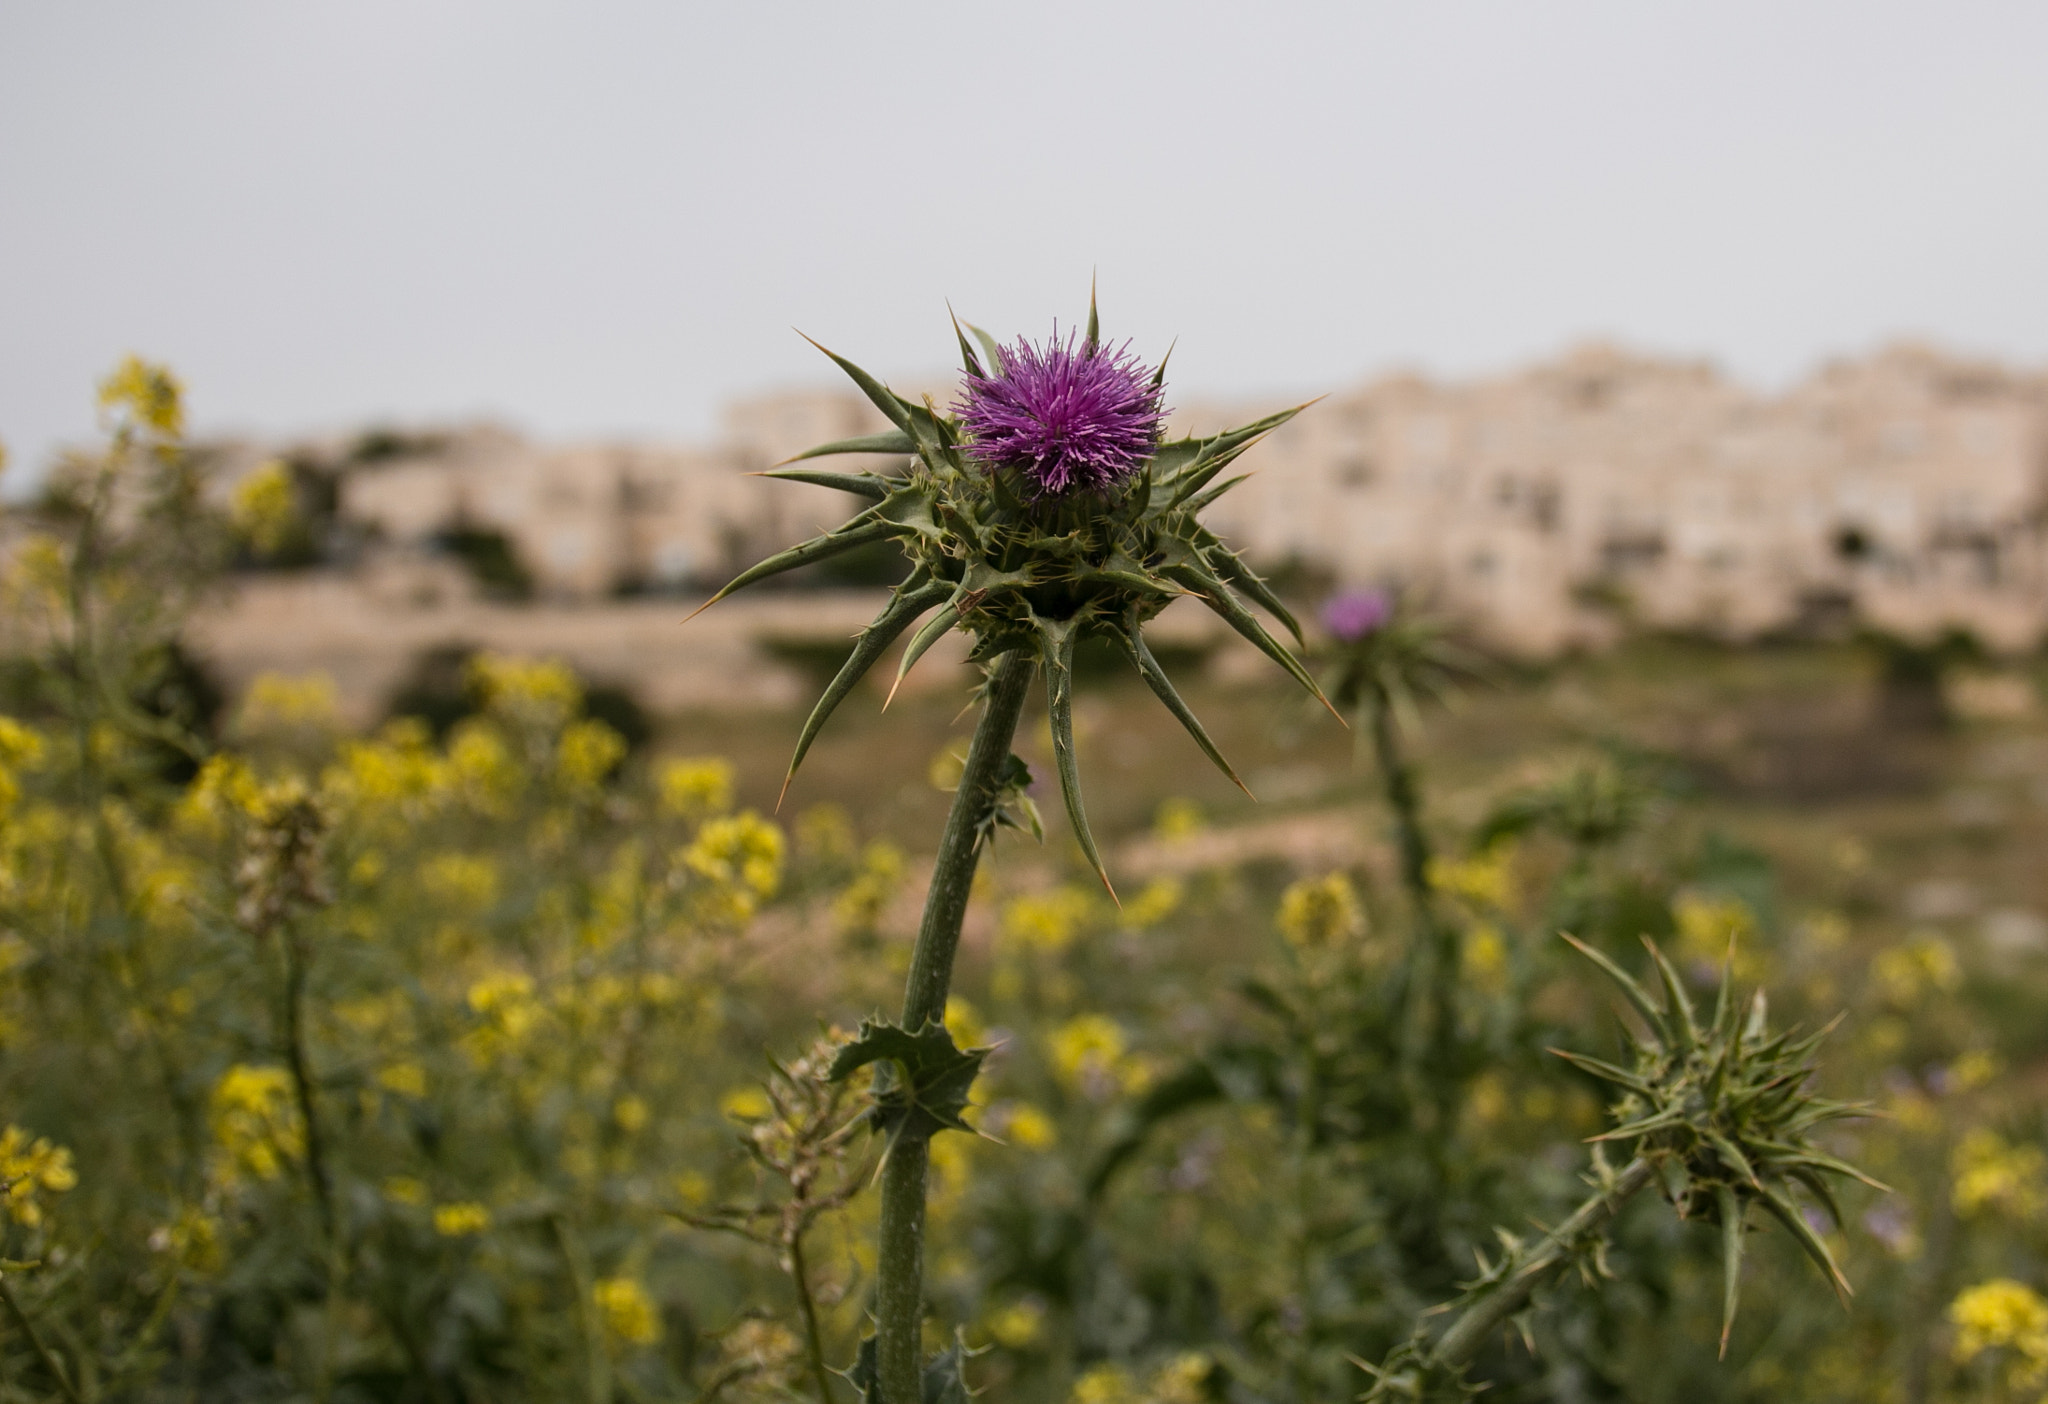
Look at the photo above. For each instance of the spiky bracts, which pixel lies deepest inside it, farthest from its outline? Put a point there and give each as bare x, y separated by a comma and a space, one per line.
1719, 1116
1725, 1115
998, 554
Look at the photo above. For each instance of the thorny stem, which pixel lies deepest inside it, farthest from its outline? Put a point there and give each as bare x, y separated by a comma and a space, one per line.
899, 1306
35, 1339
1430, 1032
1477, 1324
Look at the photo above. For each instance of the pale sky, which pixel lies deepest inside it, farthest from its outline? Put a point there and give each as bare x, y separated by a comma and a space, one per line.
605, 217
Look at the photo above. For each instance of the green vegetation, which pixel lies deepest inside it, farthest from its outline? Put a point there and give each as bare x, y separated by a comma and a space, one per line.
488, 1063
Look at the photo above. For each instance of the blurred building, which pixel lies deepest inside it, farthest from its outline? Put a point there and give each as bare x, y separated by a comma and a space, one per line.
1546, 507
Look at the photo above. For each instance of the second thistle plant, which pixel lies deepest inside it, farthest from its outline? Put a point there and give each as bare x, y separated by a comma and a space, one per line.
1044, 508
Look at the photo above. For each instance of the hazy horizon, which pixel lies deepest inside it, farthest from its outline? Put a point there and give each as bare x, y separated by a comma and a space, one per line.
602, 221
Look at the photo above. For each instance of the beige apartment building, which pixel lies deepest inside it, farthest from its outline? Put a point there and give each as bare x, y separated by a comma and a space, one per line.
1543, 508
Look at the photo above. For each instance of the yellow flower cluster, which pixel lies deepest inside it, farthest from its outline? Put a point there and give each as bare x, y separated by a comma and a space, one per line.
1709, 928
1318, 913
30, 1167
2003, 1315
741, 856
265, 507
1484, 880
278, 702
627, 1311
1091, 1055
461, 1220
696, 787
1992, 1175
256, 1120
1178, 819
859, 907
1046, 921
541, 693
1907, 973
145, 396
1181, 1380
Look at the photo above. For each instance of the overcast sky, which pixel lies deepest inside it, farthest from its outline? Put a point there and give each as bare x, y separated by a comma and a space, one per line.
600, 218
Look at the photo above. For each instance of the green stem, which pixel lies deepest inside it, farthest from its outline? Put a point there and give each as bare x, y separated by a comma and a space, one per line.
1430, 1027
597, 1382
1477, 1324
899, 1286
35, 1339
814, 1340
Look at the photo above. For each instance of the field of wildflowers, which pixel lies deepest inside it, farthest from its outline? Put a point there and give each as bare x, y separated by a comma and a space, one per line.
507, 1064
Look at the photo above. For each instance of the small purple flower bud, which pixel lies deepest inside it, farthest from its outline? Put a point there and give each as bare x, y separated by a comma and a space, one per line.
1352, 614
1064, 419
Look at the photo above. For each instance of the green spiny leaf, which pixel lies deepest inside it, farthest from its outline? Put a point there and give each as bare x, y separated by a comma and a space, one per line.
1683, 1023
968, 360
1094, 334
1795, 1223
859, 532
893, 407
932, 1076
1058, 638
1637, 996
1132, 639
903, 607
929, 633
1731, 1210
895, 443
1606, 1072
872, 486
1217, 596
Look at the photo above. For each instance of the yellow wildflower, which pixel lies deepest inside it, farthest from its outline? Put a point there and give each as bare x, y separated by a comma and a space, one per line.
1906, 972
278, 702
963, 1021
1486, 957
462, 1220
29, 1168
1178, 819
1017, 1325
1993, 1175
1318, 913
1029, 1128
1484, 880
408, 1079
543, 694
1104, 1384
1087, 1048
145, 395
861, 904
1046, 921
628, 1312
629, 1114
744, 852
1181, 1380
587, 753
745, 1104
696, 786
507, 1013
265, 507
2003, 1314
1155, 902
404, 1189
1709, 927
256, 1120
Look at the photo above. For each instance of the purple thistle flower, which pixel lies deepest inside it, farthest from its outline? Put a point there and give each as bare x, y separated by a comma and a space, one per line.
1352, 614
1063, 419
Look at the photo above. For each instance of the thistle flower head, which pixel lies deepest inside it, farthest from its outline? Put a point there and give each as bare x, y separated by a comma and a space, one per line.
1043, 509
1062, 418
1350, 615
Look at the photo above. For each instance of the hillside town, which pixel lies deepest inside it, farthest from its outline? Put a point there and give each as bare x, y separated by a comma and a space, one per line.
1904, 489
1544, 511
